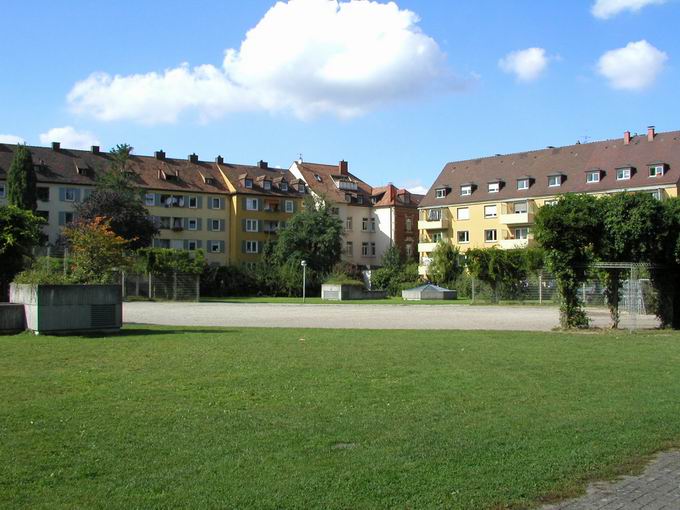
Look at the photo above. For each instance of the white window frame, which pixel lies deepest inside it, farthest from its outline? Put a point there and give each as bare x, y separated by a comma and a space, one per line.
656, 194
283, 186
364, 224
194, 201
658, 170
550, 202
409, 249
466, 190
215, 247
252, 204
252, 246
494, 236
465, 235
409, 224
248, 183
289, 206
494, 187
623, 174
554, 181
349, 248
592, 177
69, 192
192, 245
491, 215
212, 225
463, 213
437, 236
252, 225
523, 233
371, 224
523, 210
301, 187
372, 245
267, 185
440, 193
149, 199
349, 223
216, 200
189, 223
522, 184
364, 249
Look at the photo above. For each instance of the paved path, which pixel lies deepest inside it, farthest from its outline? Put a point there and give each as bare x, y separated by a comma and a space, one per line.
518, 318
657, 488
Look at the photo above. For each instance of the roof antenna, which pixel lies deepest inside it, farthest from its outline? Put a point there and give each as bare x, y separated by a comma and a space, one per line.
300, 158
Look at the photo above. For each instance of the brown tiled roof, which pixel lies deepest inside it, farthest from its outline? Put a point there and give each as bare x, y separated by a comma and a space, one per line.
60, 167
327, 187
389, 196
236, 175
572, 161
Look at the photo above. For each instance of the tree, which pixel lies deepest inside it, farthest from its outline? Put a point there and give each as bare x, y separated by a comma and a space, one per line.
118, 177
21, 180
568, 231
502, 270
394, 273
666, 270
314, 234
20, 230
447, 264
96, 251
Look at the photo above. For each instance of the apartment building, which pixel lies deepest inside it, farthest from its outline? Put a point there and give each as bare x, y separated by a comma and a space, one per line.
262, 200
396, 211
186, 198
491, 202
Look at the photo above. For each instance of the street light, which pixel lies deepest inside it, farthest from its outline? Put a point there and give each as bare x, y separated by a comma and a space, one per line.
304, 279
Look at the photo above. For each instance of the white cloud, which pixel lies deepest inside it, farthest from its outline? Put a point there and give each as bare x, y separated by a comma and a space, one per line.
11, 139
634, 67
415, 186
605, 9
69, 138
527, 65
307, 57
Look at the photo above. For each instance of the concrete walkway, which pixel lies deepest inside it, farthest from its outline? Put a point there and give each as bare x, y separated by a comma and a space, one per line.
657, 488
518, 318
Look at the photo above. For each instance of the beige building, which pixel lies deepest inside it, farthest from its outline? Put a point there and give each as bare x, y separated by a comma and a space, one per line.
491, 202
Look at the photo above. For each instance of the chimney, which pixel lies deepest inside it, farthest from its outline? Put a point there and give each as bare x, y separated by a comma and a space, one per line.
342, 166
219, 160
160, 155
56, 146
626, 138
193, 158
262, 164
650, 134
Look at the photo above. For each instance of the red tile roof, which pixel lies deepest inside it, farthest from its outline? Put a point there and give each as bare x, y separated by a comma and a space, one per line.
322, 180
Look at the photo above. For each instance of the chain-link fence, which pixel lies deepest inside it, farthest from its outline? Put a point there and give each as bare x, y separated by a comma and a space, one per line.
163, 287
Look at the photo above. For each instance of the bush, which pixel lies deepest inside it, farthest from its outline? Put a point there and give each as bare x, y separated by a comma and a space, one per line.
393, 279
45, 271
165, 260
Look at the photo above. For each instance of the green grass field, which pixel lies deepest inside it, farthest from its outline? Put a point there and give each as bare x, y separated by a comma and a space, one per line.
262, 418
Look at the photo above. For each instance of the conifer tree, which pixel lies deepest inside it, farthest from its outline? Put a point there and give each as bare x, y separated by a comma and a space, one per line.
21, 180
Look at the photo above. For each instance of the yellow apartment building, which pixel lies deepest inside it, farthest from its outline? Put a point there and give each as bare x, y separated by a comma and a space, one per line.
492, 202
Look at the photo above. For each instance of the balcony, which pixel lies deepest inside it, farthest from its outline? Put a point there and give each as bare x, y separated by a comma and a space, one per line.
441, 224
424, 266
511, 244
426, 247
525, 218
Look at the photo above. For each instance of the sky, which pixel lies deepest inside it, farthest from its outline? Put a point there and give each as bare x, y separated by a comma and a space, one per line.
398, 89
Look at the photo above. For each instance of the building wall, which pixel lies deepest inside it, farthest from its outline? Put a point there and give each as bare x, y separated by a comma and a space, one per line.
358, 236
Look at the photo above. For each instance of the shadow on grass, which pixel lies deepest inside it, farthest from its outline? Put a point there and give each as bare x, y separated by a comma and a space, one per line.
140, 330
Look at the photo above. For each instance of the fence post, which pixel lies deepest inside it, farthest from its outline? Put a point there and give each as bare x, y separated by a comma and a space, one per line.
473, 289
150, 287
198, 288
540, 287
584, 293
122, 283
174, 285
137, 285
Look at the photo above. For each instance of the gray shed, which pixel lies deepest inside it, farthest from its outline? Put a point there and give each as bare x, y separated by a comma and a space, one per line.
428, 291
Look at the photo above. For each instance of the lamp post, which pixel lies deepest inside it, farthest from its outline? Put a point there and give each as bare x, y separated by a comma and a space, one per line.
304, 279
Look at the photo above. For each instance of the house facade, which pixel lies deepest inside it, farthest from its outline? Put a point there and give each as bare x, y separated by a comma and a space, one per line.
397, 212
492, 202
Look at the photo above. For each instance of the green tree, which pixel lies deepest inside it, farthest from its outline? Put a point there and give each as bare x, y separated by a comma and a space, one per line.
502, 270
394, 274
118, 177
21, 180
568, 231
20, 231
446, 265
666, 271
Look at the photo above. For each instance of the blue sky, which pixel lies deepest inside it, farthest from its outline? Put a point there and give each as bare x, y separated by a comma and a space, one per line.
436, 91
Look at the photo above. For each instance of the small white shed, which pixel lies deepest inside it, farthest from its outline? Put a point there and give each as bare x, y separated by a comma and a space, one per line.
428, 291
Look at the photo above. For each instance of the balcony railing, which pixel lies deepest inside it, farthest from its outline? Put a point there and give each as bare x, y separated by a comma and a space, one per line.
510, 243
521, 213
434, 219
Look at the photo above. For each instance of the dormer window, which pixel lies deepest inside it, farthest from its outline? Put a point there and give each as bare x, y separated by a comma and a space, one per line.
283, 186
466, 190
494, 187
622, 174
267, 185
440, 193
317, 177
555, 180
248, 183
301, 187
360, 199
593, 176
656, 170
348, 198
209, 180
523, 184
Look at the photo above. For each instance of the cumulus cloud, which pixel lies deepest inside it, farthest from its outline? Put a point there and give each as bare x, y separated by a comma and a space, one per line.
308, 57
605, 9
415, 186
634, 67
527, 65
69, 138
11, 139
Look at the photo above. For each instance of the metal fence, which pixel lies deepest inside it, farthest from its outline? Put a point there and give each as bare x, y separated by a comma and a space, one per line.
163, 287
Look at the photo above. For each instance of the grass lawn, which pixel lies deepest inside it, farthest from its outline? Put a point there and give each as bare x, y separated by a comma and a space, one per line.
262, 418
319, 301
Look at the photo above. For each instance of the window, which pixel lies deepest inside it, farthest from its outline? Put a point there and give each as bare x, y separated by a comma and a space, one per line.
335, 210
252, 204
283, 186
267, 185
44, 215
372, 225
494, 187
162, 243
593, 176
463, 213
466, 190
364, 224
191, 245
520, 207
69, 195
42, 192
409, 224
372, 249
463, 236
215, 247
251, 246
216, 203
215, 225
149, 199
656, 194
440, 192
622, 174
348, 223
251, 225
290, 206
360, 199
192, 224
490, 211
437, 236
554, 180
522, 184
248, 183
434, 214
550, 202
490, 236
193, 202
364, 249
2, 190
349, 248
522, 233
409, 250
301, 187
656, 170
164, 222
317, 177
